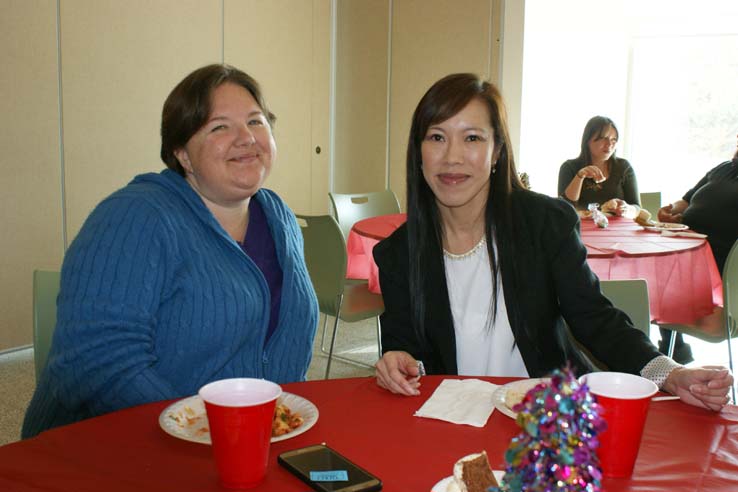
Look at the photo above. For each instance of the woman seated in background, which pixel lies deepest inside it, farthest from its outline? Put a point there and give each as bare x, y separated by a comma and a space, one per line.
186, 276
481, 277
597, 176
710, 207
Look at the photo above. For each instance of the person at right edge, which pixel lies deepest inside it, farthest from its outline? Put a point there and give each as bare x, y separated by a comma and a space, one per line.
711, 208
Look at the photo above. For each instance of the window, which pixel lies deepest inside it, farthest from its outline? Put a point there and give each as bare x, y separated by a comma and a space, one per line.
664, 71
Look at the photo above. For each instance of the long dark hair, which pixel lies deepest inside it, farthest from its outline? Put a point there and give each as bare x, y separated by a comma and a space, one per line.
443, 100
188, 106
595, 127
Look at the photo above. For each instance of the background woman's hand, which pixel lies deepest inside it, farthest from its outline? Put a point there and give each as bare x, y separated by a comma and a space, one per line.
618, 207
668, 214
399, 373
592, 172
705, 387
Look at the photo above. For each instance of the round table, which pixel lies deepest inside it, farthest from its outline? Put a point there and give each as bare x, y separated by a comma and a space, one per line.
684, 283
126, 450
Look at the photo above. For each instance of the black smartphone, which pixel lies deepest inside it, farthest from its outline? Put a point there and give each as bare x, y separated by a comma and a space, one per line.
326, 470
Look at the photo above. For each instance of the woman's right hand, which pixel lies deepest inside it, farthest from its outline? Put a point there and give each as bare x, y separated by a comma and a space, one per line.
399, 373
668, 214
591, 172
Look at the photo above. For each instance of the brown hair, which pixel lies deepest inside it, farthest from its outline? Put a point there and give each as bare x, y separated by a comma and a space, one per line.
188, 106
595, 127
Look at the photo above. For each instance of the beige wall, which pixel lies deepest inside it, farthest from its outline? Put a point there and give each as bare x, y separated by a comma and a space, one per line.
411, 44
119, 60
30, 201
362, 70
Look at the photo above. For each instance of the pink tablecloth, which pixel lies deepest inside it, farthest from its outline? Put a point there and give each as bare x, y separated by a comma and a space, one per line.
683, 280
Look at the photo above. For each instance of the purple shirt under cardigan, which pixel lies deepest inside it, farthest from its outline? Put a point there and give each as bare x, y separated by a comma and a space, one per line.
259, 246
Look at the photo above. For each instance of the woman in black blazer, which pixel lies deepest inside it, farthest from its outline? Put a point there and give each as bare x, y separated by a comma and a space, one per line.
482, 276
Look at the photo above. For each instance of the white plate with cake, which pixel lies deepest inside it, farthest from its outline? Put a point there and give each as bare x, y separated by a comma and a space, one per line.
665, 226
510, 394
472, 473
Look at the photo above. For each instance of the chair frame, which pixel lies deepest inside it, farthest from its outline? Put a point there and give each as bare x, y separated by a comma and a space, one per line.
335, 307
362, 206
730, 313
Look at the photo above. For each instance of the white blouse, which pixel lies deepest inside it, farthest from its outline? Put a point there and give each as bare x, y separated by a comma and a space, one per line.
481, 350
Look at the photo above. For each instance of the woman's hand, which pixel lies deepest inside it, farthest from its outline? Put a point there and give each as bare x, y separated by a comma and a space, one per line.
618, 207
399, 373
705, 387
672, 212
591, 172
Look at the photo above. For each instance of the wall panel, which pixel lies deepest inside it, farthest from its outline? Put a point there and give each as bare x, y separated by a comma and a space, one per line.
362, 68
31, 200
284, 53
119, 62
430, 39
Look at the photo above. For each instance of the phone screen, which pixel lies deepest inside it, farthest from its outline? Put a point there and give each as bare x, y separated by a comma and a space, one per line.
323, 469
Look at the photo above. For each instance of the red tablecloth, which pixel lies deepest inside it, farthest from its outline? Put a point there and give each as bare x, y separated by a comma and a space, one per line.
684, 448
683, 280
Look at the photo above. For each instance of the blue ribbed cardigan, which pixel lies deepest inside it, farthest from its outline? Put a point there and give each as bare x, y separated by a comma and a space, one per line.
157, 300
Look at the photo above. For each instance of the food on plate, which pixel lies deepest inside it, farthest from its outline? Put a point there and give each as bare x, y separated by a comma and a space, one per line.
515, 396
584, 214
194, 419
644, 218
285, 420
472, 473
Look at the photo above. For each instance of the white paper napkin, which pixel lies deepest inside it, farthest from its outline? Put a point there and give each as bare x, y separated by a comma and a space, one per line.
460, 401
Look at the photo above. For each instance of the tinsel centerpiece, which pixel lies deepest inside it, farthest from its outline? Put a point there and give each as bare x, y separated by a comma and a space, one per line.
556, 450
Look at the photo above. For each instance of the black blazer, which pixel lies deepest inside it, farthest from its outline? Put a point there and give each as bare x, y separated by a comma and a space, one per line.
546, 280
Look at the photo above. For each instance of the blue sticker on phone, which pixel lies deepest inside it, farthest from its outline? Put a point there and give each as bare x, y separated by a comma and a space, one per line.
329, 476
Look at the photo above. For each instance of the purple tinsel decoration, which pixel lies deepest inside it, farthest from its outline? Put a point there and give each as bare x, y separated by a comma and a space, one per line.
556, 450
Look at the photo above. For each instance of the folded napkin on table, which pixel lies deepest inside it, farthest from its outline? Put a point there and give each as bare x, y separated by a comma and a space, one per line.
460, 401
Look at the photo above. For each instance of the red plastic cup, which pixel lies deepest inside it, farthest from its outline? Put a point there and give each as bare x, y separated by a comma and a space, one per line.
624, 399
240, 413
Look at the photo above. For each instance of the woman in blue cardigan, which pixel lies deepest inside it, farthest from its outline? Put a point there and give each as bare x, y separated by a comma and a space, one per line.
186, 276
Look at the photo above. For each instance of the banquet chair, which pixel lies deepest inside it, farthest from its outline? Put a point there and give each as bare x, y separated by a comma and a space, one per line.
325, 255
351, 208
730, 312
631, 297
45, 290
651, 201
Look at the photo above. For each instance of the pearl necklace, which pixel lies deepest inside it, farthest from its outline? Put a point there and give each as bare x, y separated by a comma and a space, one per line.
471, 252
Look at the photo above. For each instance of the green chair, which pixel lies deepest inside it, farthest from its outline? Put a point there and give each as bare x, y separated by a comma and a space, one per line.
631, 297
651, 202
351, 208
730, 312
45, 290
325, 256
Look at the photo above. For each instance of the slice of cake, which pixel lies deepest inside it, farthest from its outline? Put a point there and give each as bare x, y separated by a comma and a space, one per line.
472, 473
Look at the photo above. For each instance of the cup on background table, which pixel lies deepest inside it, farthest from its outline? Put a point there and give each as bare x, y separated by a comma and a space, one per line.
624, 399
240, 413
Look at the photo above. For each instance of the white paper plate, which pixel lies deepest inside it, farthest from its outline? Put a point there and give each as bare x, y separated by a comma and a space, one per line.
442, 486
503, 403
666, 226
196, 429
